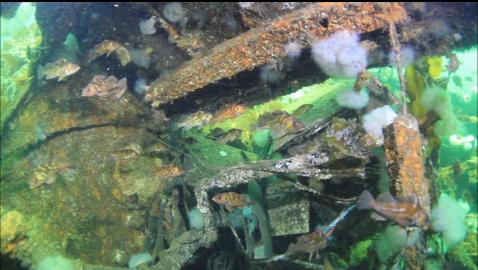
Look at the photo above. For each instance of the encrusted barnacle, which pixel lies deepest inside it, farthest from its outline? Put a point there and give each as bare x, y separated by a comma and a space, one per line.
318, 158
284, 164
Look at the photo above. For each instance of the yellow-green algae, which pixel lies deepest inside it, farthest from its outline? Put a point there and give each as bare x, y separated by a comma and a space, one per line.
359, 252
321, 96
19, 41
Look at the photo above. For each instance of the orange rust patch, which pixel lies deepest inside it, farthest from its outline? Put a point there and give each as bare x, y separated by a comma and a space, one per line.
403, 151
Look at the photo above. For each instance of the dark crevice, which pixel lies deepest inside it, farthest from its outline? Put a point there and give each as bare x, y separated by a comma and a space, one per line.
34, 146
10, 264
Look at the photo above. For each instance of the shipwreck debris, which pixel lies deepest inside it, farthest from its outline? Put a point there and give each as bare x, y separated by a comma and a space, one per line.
265, 44
403, 151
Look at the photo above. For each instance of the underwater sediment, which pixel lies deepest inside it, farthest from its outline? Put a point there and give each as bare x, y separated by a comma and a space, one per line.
238, 136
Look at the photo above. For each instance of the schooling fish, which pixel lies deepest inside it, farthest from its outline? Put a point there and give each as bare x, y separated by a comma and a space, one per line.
407, 213
231, 200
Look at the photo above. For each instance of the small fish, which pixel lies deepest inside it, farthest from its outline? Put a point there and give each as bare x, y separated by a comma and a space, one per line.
457, 80
316, 241
123, 55
471, 119
362, 80
170, 171
129, 151
196, 119
231, 200
105, 88
310, 243
156, 148
453, 63
107, 47
229, 112
302, 109
457, 170
159, 116
60, 69
407, 213
291, 124
46, 174
230, 136
280, 123
468, 197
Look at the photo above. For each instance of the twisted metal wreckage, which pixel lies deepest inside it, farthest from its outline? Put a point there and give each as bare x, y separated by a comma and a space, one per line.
405, 167
247, 51
264, 44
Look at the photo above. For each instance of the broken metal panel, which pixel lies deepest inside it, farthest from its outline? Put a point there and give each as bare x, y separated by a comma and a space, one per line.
292, 218
288, 209
265, 44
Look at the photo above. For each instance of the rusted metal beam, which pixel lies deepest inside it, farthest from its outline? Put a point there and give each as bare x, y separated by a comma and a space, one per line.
265, 44
403, 152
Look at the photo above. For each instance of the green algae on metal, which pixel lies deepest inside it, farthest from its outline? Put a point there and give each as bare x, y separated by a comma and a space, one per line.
20, 40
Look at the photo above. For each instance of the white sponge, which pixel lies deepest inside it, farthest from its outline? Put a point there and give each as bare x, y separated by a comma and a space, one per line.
56, 262
352, 99
448, 217
293, 49
340, 55
195, 219
437, 99
390, 242
174, 12
140, 57
138, 259
376, 120
147, 26
140, 86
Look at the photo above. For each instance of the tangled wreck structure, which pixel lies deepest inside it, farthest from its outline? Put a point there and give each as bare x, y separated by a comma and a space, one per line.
101, 214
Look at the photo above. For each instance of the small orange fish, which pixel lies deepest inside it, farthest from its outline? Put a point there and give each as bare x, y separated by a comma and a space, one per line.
405, 213
230, 111
170, 171
231, 200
